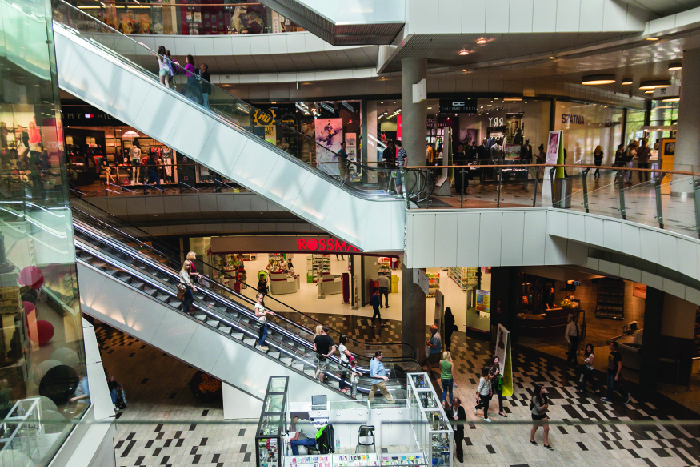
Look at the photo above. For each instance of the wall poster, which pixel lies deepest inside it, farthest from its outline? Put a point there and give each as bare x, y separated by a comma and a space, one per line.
329, 135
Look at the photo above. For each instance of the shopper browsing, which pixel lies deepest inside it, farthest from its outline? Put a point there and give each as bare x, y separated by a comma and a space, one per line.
206, 84
261, 314
378, 376
497, 384
324, 347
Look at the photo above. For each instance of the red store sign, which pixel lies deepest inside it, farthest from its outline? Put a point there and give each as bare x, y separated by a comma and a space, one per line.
324, 244
280, 244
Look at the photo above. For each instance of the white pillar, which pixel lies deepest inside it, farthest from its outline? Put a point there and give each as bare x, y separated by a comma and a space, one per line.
372, 136
414, 115
688, 137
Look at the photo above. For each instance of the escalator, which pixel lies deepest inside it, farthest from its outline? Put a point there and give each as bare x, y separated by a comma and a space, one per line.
93, 64
131, 285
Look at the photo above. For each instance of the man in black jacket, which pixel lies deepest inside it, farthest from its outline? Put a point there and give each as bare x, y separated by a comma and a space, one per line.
206, 86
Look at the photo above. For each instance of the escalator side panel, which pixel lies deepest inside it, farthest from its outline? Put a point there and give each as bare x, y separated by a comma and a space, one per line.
130, 311
94, 75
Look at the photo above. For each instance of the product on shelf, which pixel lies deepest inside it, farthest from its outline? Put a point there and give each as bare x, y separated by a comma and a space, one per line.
463, 277
433, 283
315, 265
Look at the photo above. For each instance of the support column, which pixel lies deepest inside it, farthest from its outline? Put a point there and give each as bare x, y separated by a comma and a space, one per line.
369, 146
414, 116
649, 353
688, 137
504, 289
413, 314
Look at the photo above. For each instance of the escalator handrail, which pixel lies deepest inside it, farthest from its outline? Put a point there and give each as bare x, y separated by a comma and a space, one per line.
222, 118
170, 256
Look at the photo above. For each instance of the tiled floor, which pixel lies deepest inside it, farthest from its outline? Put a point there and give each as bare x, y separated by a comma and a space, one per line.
156, 386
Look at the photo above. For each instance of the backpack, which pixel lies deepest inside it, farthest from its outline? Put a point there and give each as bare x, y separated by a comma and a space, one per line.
324, 439
174, 67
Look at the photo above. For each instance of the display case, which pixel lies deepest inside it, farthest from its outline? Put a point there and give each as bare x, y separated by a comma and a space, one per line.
403, 459
434, 435
272, 424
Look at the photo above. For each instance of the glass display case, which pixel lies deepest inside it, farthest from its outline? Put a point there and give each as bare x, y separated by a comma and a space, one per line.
403, 459
273, 420
434, 435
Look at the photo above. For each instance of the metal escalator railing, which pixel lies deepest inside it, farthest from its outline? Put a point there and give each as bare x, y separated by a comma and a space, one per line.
224, 107
292, 319
229, 318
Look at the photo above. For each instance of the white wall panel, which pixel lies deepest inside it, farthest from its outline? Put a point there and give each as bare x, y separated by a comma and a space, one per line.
144, 317
473, 16
591, 15
568, 14
534, 237
521, 12
490, 230
652, 280
668, 249
450, 16
497, 16
631, 243
687, 257
629, 273
612, 235
468, 228
576, 227
674, 288
611, 269
424, 234
544, 18
446, 232
174, 333
650, 245
557, 222
594, 230
512, 238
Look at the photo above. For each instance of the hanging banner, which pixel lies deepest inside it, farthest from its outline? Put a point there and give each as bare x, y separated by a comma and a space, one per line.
483, 301
504, 359
329, 134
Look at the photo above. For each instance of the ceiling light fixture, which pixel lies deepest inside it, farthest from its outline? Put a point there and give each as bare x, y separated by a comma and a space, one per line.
483, 40
652, 38
671, 99
675, 66
653, 84
626, 81
664, 107
597, 80
512, 99
650, 91
551, 58
464, 52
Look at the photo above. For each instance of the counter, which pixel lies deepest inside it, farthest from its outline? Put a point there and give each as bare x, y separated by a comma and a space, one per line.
551, 324
629, 350
332, 285
281, 284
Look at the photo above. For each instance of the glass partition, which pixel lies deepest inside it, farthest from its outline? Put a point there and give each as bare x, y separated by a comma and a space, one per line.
42, 360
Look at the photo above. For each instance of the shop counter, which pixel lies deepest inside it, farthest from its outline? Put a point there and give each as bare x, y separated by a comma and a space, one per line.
332, 285
551, 324
629, 347
281, 283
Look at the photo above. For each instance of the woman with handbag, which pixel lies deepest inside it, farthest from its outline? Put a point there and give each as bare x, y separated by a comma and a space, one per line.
261, 314
498, 383
186, 288
484, 393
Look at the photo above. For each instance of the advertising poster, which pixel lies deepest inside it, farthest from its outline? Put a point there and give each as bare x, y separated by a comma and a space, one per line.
512, 151
553, 147
504, 359
351, 145
483, 301
271, 134
329, 134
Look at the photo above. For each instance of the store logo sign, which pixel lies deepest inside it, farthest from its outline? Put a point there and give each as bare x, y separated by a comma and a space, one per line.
264, 117
496, 121
571, 118
324, 244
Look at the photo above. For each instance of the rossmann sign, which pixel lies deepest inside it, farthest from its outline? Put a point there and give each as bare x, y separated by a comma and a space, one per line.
323, 244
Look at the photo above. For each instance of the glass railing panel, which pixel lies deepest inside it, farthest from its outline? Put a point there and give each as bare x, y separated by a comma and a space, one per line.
189, 18
229, 109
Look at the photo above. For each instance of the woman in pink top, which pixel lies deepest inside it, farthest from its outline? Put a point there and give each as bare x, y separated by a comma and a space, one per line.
192, 89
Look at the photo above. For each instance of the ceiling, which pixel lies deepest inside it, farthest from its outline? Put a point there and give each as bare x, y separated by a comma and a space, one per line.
664, 7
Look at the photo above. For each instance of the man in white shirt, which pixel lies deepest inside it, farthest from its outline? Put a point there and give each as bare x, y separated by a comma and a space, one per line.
572, 339
384, 284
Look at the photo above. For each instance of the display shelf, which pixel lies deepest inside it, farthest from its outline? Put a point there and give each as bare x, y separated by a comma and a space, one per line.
315, 265
321, 460
611, 299
465, 278
403, 459
355, 460
433, 284
268, 439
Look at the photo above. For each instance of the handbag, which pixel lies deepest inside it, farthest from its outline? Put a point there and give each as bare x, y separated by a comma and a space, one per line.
181, 289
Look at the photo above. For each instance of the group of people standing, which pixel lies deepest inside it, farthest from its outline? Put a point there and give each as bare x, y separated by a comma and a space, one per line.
198, 85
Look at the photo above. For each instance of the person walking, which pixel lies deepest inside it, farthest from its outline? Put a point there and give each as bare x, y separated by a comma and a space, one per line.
597, 160
384, 285
164, 71
401, 158
483, 394
324, 348
344, 357
378, 376
152, 166
206, 84
615, 374
343, 168
186, 281
587, 369
354, 377
376, 301
450, 327
643, 155
538, 410
434, 349
571, 335
446, 377
497, 384
459, 415
261, 314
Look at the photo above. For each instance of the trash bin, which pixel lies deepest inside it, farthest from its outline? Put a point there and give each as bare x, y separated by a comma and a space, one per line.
561, 192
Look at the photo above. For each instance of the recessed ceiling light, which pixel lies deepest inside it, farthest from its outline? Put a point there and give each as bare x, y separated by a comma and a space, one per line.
626, 81
671, 99
512, 99
483, 40
650, 91
464, 70
552, 58
430, 108
664, 107
675, 66
597, 80
652, 38
464, 52
653, 84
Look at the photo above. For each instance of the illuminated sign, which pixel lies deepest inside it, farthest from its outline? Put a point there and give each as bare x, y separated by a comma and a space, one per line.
264, 117
458, 106
571, 118
323, 244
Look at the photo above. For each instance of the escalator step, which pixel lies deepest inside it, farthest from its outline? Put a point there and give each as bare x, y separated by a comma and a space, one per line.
213, 323
200, 317
237, 335
286, 360
249, 341
274, 354
225, 329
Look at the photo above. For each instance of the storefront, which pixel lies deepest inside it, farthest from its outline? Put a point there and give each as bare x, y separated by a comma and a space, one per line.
303, 268
93, 136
